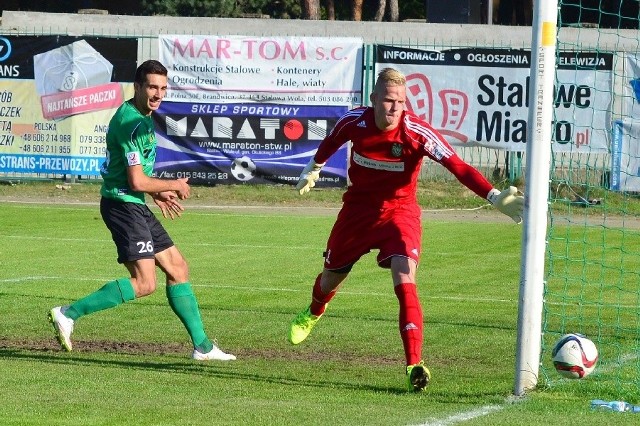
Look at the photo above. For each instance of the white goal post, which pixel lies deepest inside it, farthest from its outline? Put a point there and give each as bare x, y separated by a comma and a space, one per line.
543, 59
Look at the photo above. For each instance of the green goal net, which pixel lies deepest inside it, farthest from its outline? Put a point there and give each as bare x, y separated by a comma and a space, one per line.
592, 276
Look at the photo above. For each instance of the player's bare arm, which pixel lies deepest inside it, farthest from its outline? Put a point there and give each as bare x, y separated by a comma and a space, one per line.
138, 181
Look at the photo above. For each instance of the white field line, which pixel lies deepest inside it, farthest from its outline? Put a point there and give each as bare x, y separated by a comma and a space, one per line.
33, 237
60, 205
44, 278
474, 413
200, 244
254, 289
24, 279
233, 210
222, 207
289, 290
463, 416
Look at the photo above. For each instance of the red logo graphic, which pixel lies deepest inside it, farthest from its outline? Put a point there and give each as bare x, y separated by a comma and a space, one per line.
293, 129
455, 105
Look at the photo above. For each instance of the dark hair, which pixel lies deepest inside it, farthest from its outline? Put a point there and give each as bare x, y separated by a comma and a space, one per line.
149, 67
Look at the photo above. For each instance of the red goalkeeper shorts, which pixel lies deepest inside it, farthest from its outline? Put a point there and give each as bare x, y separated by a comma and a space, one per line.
394, 231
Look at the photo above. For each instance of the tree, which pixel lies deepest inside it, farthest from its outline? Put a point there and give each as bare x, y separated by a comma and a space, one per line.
344, 10
394, 13
331, 10
412, 9
278, 9
356, 10
311, 9
382, 5
218, 8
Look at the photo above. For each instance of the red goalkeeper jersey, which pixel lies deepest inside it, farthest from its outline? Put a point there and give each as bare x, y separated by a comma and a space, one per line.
384, 165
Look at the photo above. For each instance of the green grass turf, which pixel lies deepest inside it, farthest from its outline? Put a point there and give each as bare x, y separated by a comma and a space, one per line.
252, 272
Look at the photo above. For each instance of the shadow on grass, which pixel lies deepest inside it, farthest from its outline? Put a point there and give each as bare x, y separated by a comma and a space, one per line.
235, 370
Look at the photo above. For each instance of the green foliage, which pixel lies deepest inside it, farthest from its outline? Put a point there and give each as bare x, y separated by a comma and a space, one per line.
412, 9
283, 9
278, 9
203, 8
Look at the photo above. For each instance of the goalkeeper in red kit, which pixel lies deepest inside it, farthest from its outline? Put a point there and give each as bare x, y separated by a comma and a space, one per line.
380, 209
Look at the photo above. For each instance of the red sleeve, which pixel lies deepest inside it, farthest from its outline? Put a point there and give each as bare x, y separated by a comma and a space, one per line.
438, 149
468, 175
338, 136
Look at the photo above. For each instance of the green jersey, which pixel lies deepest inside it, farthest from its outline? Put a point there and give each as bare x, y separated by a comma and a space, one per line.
131, 140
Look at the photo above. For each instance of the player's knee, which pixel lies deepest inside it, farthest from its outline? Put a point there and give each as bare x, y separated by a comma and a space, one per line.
144, 287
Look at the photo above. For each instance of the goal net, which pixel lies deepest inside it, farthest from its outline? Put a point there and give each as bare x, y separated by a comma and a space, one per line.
592, 272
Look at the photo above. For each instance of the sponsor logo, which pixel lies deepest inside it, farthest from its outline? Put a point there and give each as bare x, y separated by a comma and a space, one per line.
410, 326
395, 166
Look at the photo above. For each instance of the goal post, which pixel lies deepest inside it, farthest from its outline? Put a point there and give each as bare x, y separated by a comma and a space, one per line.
538, 154
580, 260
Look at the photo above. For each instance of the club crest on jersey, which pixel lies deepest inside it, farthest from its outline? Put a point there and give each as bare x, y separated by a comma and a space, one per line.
133, 158
396, 150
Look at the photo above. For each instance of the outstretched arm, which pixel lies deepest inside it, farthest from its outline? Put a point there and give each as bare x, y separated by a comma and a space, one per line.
507, 201
338, 136
309, 176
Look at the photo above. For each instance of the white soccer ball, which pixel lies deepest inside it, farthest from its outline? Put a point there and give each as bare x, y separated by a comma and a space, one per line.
574, 356
243, 168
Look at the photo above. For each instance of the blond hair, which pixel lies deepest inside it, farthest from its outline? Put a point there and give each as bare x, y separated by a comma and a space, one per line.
390, 77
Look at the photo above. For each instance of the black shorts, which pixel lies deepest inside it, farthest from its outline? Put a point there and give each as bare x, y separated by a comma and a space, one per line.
137, 233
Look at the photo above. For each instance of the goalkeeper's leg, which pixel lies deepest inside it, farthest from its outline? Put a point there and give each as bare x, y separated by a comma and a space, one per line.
304, 322
410, 321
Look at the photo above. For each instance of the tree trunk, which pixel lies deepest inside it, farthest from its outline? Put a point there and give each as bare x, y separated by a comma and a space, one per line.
331, 10
356, 11
311, 9
394, 11
382, 5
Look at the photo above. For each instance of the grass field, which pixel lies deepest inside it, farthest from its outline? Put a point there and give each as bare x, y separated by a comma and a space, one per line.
252, 270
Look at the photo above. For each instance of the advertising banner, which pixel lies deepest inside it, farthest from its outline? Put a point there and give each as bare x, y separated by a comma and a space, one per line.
631, 87
235, 143
254, 109
57, 95
480, 97
625, 156
288, 70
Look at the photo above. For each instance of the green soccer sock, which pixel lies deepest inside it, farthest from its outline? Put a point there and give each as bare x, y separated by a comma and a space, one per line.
184, 304
110, 295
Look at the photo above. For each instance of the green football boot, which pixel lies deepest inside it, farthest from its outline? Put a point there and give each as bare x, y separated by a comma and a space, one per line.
418, 377
302, 325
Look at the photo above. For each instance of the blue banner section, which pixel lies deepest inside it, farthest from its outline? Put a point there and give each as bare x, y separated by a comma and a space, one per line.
616, 155
635, 86
86, 166
245, 143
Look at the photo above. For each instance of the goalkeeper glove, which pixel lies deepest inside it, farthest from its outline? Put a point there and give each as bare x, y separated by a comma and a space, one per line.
309, 176
508, 202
